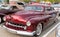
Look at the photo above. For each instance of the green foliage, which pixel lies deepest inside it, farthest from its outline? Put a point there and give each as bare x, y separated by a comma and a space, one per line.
57, 0
26, 1
52, 1
7, 0
37, 0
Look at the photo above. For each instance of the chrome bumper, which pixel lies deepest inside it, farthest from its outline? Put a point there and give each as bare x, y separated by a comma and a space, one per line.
20, 32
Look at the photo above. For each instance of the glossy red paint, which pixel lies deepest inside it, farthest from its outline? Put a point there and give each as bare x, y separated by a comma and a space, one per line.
35, 17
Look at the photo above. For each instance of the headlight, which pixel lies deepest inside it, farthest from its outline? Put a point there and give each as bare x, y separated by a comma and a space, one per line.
28, 23
4, 18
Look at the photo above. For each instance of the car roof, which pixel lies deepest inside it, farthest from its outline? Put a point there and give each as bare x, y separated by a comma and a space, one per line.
38, 4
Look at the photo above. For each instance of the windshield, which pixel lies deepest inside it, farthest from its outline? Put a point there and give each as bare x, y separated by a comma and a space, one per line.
34, 8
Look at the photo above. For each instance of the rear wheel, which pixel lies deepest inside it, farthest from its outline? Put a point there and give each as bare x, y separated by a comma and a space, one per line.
38, 30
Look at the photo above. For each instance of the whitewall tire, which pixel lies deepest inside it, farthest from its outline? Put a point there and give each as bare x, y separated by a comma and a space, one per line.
39, 29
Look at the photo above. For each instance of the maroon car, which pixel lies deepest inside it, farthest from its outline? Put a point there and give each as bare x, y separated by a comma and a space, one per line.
30, 21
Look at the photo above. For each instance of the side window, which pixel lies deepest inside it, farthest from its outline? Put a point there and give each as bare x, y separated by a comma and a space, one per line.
49, 8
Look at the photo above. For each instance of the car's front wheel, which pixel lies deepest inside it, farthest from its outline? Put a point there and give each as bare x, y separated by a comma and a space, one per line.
38, 29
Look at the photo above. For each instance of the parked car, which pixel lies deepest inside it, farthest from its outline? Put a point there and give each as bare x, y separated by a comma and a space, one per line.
57, 7
5, 10
5, 6
9, 7
31, 21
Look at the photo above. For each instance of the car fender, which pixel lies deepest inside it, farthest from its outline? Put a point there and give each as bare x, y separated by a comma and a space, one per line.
35, 20
39, 18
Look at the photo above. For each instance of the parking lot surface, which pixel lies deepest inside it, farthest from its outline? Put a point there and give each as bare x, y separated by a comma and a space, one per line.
5, 33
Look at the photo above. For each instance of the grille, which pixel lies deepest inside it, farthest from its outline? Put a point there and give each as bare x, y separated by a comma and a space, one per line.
16, 24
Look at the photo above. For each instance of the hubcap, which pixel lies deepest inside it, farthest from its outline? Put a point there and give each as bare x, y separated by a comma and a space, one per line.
39, 29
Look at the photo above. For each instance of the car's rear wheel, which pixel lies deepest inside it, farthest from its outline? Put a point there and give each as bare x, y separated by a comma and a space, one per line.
38, 29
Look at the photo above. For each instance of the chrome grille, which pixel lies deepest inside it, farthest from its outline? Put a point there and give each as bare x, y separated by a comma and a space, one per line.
17, 25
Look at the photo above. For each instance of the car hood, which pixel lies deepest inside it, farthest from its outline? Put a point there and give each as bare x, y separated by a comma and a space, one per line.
28, 14
24, 16
33, 12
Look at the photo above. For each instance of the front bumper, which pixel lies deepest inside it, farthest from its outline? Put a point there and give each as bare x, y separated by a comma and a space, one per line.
20, 32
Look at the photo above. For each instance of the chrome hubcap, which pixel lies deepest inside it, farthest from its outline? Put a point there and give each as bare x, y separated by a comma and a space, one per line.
39, 29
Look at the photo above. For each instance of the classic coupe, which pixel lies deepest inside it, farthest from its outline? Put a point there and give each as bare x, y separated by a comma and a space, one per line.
5, 6
31, 21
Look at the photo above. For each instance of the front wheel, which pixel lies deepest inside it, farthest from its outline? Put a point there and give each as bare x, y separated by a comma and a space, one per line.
38, 29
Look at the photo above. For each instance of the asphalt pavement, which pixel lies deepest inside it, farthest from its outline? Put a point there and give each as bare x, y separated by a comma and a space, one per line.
5, 33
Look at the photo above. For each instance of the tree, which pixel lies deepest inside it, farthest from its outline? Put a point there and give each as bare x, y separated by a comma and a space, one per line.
37, 0
26, 1
57, 0
52, 1
7, 1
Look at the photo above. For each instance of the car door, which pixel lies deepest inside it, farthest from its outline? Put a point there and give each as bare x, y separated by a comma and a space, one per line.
52, 12
50, 21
